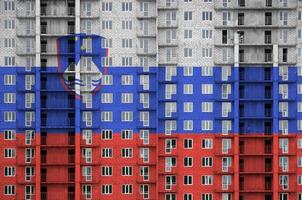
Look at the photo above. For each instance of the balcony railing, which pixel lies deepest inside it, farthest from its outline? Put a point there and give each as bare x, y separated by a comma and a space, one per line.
71, 158
71, 177
71, 29
71, 140
43, 195
43, 177
71, 195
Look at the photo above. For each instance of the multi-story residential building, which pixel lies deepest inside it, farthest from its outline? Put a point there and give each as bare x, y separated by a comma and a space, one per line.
145, 99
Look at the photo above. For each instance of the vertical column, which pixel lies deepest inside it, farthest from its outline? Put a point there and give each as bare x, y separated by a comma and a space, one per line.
77, 103
275, 121
37, 99
236, 116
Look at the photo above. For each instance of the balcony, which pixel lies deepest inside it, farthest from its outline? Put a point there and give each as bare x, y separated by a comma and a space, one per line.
65, 13
22, 13
167, 5
168, 24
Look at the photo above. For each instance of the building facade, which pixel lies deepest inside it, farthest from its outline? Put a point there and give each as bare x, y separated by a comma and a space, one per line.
145, 99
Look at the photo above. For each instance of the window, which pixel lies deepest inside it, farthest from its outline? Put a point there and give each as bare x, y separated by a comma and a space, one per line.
9, 24
87, 191
127, 25
299, 88
188, 88
127, 80
188, 71
188, 106
226, 145
283, 145
9, 60
9, 116
126, 61
106, 189
126, 171
107, 25
107, 134
107, 97
206, 16
126, 153
29, 118
188, 161
188, 143
9, 5
226, 181
206, 161
207, 196
206, 125
126, 43
127, 134
107, 80
206, 52
106, 171
127, 116
188, 52
9, 134
126, 6
126, 189
188, 180
144, 99
9, 171
169, 163
144, 154
188, 196
240, 18
170, 144
107, 43
170, 125
283, 181
299, 125
241, 3
144, 135
87, 118
284, 17
206, 89
144, 118
9, 97
187, 34
9, 153
226, 108
9, 79
206, 143
107, 153
299, 162
207, 107
206, 34
299, 143
188, 125
127, 98
9, 190
9, 42
144, 81
106, 116
107, 6
170, 90
206, 180
188, 15
207, 71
